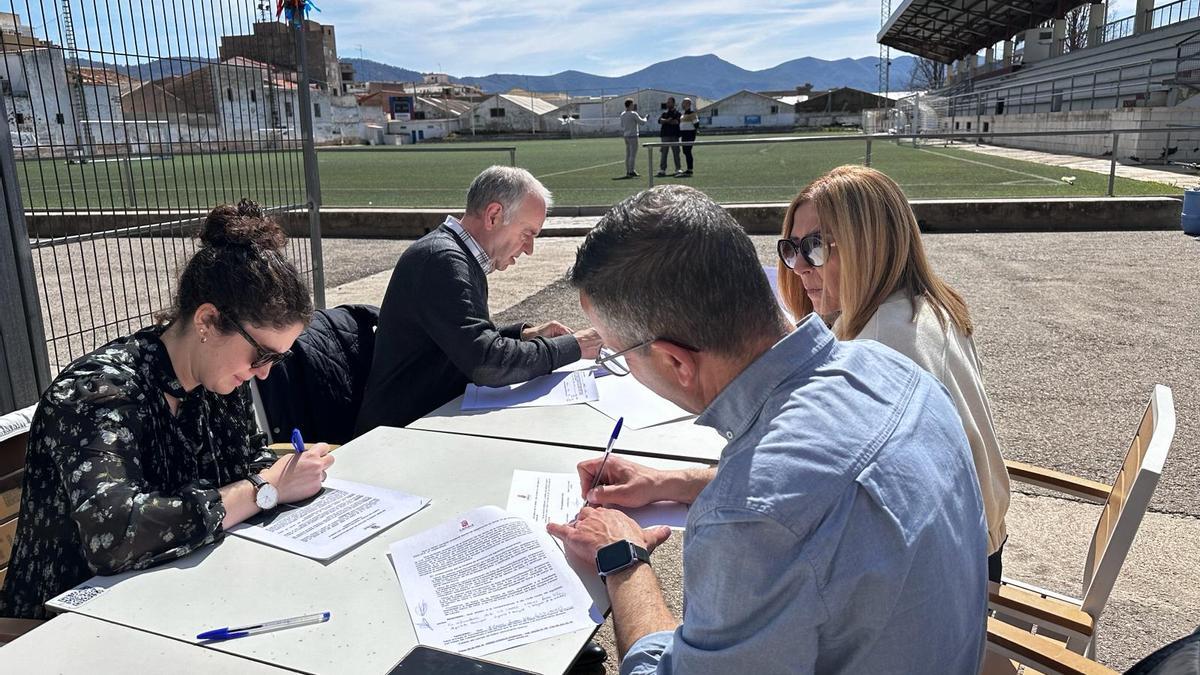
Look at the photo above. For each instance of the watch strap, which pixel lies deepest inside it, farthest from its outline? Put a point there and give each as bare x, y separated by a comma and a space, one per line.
636, 554
257, 481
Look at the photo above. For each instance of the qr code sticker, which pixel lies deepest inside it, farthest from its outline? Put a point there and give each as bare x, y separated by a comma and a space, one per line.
77, 596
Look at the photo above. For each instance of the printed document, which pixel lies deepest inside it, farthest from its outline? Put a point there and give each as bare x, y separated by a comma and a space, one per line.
564, 388
487, 581
628, 398
339, 517
555, 498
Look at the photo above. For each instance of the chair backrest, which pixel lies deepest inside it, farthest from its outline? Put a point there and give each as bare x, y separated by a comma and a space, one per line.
1129, 499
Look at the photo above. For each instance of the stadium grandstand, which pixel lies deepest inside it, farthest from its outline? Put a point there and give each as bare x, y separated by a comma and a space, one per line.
1054, 65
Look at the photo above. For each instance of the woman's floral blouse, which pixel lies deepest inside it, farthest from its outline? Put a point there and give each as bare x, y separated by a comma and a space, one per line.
114, 481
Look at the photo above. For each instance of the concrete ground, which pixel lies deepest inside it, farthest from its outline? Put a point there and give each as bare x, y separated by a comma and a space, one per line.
1074, 330
1169, 174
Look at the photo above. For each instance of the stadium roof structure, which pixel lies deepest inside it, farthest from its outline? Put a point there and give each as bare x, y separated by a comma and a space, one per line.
946, 30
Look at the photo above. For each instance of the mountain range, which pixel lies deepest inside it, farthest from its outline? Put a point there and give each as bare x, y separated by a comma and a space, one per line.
709, 76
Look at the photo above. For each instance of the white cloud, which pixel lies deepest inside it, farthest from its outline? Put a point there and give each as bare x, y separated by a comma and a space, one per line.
613, 37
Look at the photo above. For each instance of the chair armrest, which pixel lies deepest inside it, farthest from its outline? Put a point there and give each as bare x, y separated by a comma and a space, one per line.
281, 449
11, 629
1039, 652
1041, 609
1058, 481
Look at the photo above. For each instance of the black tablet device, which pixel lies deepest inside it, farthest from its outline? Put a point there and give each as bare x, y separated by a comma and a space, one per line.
424, 660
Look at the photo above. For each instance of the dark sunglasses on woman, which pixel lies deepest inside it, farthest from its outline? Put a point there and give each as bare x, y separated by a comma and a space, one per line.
810, 247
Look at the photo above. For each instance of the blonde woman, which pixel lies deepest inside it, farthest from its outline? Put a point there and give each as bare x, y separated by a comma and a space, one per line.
851, 251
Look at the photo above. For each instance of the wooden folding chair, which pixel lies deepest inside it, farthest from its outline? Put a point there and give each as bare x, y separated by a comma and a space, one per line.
1013, 651
1124, 504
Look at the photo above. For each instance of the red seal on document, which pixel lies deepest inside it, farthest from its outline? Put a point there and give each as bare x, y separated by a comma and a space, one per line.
464, 524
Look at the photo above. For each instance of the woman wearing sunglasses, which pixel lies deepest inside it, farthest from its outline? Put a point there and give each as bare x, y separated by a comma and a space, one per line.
851, 251
145, 450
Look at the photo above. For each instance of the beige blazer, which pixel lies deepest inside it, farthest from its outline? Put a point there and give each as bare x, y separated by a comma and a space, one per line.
950, 357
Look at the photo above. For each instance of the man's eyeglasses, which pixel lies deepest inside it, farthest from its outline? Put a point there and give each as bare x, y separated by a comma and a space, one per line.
810, 247
263, 356
614, 362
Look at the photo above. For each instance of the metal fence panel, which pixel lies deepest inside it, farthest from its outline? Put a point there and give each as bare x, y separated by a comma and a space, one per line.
130, 120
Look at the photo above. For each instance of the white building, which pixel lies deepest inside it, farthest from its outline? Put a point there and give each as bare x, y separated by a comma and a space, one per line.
748, 110
506, 113
38, 98
405, 132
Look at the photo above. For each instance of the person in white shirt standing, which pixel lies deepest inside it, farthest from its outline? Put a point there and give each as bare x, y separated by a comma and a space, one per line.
689, 122
631, 121
851, 249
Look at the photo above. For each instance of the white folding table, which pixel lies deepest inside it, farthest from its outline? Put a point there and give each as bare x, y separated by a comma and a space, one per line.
577, 426
73, 643
239, 581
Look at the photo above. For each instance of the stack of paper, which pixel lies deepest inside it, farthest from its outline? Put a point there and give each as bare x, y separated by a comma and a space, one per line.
488, 581
555, 498
342, 515
558, 388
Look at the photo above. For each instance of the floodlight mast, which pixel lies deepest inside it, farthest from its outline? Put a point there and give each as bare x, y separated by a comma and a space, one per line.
885, 52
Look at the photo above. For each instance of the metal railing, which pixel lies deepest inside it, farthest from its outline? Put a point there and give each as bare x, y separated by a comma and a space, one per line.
1180, 10
1115, 30
869, 139
1098, 88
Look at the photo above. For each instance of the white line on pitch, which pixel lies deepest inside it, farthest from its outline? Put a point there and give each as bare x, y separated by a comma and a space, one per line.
990, 166
585, 168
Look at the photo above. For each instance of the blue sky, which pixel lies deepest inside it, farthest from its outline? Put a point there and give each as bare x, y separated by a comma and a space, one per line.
481, 37
605, 37
609, 37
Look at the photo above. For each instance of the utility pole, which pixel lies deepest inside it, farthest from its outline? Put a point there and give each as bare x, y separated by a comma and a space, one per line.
83, 130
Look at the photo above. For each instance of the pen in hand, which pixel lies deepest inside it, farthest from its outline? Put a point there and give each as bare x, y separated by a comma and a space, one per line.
607, 451
228, 633
297, 441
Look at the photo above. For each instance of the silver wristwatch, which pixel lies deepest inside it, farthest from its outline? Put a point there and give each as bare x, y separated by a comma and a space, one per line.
265, 494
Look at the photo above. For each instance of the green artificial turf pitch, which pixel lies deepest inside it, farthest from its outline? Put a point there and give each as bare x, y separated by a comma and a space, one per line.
578, 172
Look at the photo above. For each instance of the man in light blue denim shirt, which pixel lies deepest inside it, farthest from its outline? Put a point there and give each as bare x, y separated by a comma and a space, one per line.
842, 530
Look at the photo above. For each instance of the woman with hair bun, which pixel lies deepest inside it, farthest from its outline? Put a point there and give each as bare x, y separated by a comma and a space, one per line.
146, 450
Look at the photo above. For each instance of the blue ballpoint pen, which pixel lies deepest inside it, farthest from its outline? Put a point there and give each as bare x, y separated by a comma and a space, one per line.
228, 633
612, 440
297, 441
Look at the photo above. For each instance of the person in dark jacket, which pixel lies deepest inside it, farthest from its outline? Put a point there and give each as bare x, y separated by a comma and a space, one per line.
668, 132
319, 390
435, 332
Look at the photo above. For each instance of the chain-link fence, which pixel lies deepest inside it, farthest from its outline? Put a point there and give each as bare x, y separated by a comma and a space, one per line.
128, 121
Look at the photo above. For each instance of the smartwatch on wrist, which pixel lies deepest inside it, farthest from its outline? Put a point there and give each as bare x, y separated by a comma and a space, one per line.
618, 556
265, 494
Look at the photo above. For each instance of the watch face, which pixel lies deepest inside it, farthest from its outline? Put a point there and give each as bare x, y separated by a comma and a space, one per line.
266, 497
613, 557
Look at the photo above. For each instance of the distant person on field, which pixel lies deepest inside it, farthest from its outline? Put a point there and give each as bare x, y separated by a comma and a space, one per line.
668, 132
631, 121
841, 531
435, 331
851, 249
689, 122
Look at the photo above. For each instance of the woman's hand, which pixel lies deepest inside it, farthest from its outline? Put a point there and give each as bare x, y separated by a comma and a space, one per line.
299, 476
